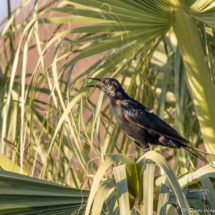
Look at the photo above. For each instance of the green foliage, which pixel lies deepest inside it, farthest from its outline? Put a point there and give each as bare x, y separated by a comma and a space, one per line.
54, 128
27, 195
133, 185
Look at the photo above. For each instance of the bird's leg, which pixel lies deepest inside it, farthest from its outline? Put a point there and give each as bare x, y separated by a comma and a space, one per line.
148, 149
151, 147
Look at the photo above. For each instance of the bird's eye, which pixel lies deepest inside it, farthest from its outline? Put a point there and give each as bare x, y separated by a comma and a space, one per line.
108, 82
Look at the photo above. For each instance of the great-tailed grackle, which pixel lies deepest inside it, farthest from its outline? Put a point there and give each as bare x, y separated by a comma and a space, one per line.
138, 122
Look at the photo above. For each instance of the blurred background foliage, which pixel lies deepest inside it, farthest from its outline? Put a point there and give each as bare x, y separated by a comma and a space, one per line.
53, 128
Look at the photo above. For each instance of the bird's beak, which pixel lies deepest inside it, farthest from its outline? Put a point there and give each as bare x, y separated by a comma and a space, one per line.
95, 85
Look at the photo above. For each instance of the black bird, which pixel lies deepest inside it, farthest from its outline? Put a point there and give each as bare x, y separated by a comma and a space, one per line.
138, 122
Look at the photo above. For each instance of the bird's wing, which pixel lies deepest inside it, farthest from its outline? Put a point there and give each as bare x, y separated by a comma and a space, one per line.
145, 118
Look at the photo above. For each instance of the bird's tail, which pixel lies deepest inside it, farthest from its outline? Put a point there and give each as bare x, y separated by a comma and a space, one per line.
197, 156
199, 150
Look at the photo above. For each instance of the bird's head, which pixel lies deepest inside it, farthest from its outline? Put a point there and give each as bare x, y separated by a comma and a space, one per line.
109, 85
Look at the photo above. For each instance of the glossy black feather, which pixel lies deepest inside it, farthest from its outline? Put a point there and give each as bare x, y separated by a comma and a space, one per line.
143, 126
140, 115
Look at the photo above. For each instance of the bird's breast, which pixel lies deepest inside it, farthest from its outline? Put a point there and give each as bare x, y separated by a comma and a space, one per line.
118, 113
132, 130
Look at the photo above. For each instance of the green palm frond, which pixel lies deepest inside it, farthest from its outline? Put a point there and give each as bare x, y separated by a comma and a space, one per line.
52, 127
25, 195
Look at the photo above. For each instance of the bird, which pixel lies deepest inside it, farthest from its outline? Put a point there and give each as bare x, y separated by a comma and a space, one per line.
138, 122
